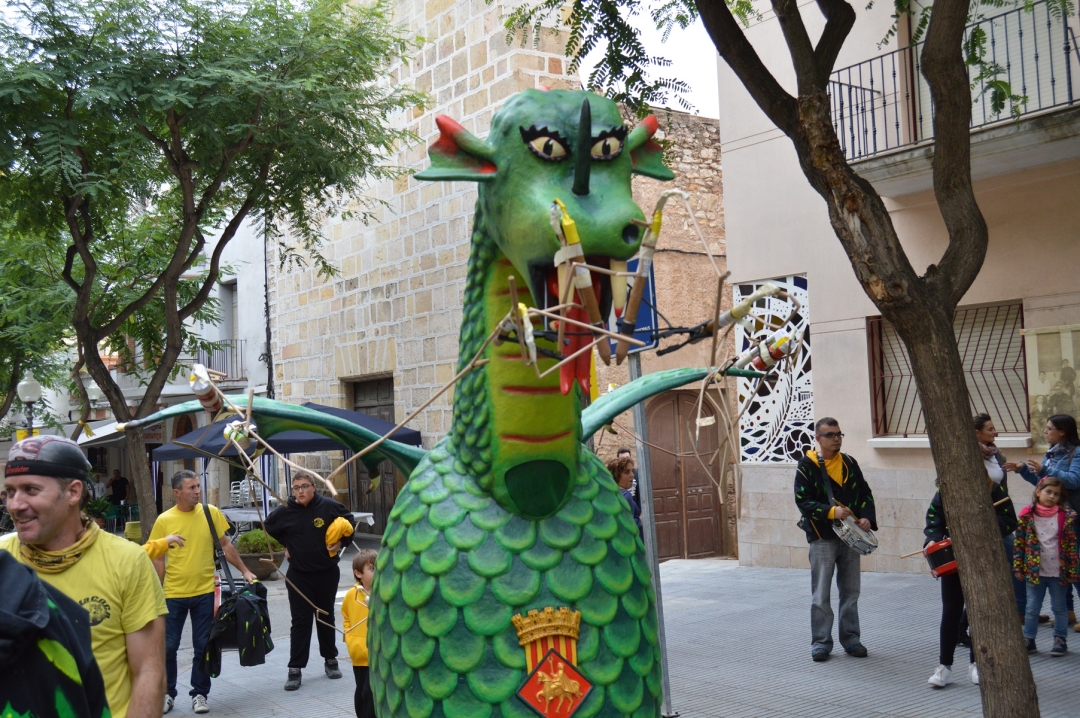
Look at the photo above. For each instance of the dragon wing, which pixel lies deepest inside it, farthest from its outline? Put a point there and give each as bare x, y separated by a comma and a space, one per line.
273, 417
610, 405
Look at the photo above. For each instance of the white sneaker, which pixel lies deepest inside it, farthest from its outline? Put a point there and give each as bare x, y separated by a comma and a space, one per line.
168, 705
973, 674
198, 704
941, 678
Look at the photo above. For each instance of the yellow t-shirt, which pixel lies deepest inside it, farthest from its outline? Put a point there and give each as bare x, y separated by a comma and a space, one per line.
354, 612
834, 467
189, 569
156, 548
117, 585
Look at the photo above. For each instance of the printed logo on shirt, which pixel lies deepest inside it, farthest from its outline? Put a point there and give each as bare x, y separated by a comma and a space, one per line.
97, 608
319, 523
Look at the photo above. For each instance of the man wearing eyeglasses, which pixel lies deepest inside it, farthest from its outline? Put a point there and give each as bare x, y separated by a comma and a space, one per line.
851, 496
301, 525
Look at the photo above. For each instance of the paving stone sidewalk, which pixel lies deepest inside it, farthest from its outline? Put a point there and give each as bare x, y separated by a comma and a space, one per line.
738, 645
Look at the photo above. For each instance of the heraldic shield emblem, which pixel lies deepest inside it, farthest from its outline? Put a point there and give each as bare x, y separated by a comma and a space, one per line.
554, 688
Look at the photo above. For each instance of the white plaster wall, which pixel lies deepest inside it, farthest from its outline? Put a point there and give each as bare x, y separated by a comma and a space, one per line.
777, 225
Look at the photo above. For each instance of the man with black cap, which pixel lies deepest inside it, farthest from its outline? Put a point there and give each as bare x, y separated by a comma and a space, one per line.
108, 576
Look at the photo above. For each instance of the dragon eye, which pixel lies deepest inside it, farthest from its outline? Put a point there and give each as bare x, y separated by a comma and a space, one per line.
548, 148
606, 148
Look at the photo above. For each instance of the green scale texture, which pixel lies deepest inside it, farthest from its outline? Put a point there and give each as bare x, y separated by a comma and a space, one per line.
455, 566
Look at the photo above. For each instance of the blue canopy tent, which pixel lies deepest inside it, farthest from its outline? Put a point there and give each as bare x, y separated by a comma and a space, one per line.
208, 442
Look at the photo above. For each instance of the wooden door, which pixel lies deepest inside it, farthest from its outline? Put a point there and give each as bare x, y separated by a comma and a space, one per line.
662, 417
688, 516
374, 398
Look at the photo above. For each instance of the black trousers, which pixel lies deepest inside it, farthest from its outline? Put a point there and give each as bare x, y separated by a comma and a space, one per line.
952, 610
363, 699
321, 589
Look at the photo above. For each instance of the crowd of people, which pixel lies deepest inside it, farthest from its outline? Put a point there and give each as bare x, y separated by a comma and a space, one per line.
69, 584
1039, 536
90, 623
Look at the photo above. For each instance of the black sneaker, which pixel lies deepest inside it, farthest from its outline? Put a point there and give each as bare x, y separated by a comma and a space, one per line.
332, 670
1060, 647
856, 649
1030, 645
819, 655
293, 682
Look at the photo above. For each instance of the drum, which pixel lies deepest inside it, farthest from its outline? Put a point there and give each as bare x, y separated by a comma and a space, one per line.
863, 542
939, 554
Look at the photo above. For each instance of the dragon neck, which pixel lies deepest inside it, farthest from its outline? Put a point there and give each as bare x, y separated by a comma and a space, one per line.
510, 427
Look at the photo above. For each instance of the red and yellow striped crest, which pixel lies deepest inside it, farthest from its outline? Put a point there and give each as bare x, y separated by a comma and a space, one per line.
550, 629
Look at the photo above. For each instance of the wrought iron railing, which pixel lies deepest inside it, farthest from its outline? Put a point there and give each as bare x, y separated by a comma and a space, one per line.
884, 103
995, 370
227, 358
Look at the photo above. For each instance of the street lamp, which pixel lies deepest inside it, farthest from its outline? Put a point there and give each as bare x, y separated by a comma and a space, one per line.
29, 391
93, 391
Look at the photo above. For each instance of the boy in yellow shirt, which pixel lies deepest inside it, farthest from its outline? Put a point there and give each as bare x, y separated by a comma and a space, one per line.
354, 612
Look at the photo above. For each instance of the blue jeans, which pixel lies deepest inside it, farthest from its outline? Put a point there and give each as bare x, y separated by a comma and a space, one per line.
829, 555
1035, 595
201, 609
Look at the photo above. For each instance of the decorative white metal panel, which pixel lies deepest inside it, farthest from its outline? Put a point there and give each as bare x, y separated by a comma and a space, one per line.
779, 421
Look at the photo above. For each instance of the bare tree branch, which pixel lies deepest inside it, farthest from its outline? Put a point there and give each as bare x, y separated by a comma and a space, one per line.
798, 43
946, 73
839, 19
742, 58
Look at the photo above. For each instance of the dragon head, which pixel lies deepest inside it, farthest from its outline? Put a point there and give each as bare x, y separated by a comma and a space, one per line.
552, 145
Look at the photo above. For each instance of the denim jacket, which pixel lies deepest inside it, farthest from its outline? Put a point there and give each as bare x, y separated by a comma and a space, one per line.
1059, 462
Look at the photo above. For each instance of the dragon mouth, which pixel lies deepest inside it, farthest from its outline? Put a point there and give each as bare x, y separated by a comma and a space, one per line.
545, 285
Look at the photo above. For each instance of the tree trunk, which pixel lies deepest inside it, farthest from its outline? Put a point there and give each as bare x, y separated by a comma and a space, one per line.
144, 481
1005, 678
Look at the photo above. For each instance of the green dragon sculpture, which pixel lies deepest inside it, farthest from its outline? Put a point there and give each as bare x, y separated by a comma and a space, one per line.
509, 514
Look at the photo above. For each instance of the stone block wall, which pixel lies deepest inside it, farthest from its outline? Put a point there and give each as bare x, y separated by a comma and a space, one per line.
395, 307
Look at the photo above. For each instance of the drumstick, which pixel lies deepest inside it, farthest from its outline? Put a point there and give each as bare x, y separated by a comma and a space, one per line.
916, 553
845, 507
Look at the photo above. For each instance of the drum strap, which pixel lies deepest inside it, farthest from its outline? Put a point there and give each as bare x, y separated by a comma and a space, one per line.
826, 480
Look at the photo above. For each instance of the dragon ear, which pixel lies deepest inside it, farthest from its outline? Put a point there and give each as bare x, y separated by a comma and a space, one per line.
646, 155
458, 155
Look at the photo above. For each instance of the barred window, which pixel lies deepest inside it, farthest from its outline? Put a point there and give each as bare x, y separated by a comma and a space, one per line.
992, 351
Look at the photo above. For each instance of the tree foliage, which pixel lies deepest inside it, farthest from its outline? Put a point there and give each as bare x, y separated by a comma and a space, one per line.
35, 312
137, 135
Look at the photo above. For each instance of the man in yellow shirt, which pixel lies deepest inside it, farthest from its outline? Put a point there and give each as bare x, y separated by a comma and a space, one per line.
189, 580
110, 577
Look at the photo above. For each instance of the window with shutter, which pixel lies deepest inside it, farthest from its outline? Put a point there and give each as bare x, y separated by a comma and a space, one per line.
992, 350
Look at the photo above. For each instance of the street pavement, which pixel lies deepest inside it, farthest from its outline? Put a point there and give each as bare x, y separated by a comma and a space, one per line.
738, 646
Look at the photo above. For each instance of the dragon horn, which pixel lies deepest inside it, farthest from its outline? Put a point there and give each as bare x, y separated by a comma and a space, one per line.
583, 154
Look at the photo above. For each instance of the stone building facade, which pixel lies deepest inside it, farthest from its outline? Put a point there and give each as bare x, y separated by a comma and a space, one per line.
387, 324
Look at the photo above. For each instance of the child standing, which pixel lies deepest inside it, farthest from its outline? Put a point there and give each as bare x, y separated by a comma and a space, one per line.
354, 612
1044, 555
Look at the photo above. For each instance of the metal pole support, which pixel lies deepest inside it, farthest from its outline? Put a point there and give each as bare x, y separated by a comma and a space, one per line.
648, 522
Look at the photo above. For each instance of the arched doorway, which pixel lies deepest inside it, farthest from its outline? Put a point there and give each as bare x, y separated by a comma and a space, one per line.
690, 519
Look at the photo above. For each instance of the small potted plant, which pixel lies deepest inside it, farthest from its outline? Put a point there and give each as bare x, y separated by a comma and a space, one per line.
256, 545
98, 510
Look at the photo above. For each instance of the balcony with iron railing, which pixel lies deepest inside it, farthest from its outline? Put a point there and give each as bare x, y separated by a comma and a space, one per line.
882, 106
225, 359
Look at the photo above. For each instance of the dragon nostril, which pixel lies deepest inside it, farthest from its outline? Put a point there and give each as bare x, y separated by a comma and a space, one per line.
631, 233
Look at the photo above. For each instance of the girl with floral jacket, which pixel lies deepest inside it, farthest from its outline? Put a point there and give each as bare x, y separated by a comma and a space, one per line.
1045, 556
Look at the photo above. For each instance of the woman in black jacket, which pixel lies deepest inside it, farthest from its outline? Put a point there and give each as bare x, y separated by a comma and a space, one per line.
952, 595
